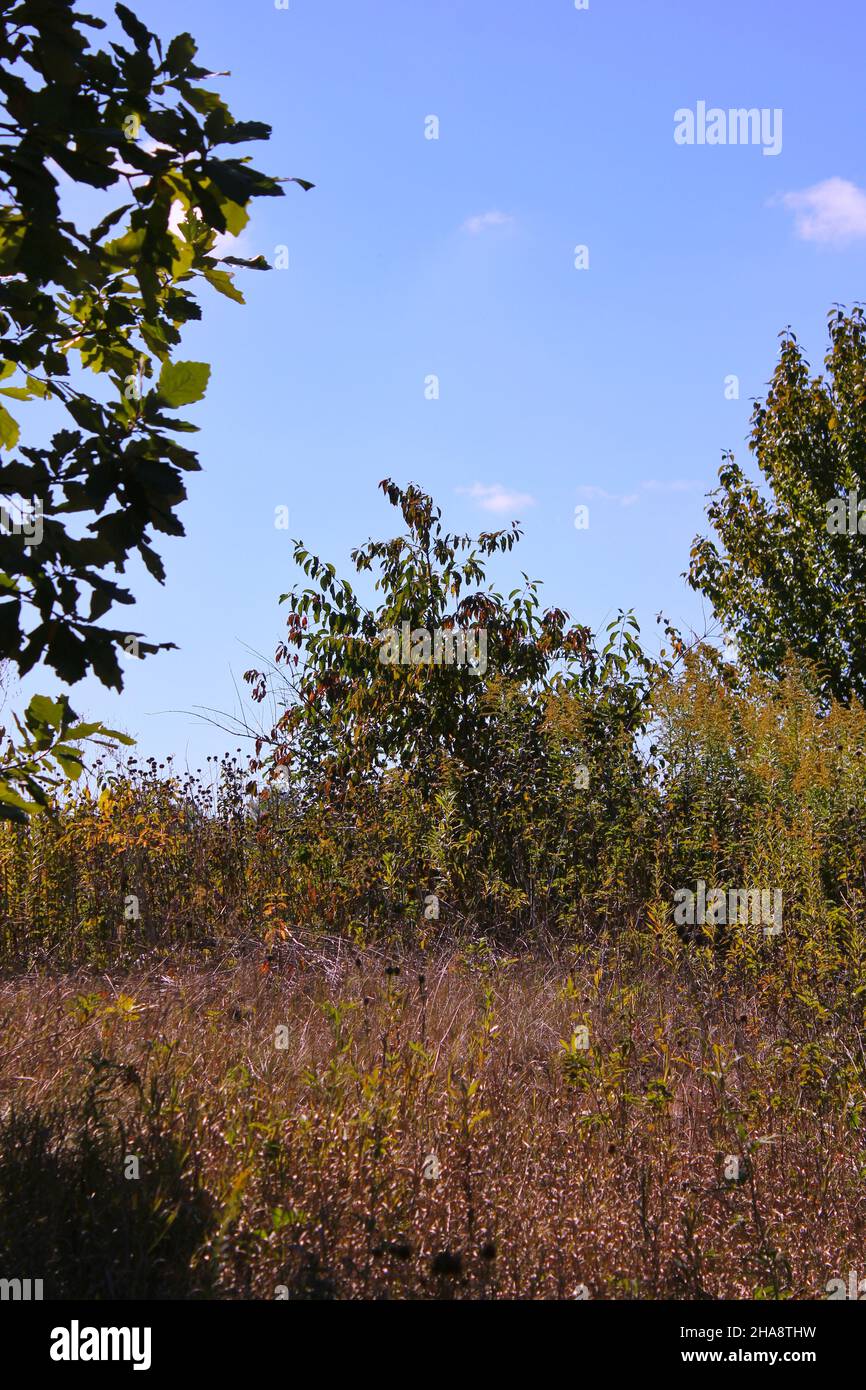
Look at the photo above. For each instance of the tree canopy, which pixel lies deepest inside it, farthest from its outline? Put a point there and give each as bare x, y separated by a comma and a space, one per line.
109, 300
788, 575
351, 709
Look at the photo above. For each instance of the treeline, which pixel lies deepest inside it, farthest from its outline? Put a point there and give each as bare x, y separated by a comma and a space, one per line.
563, 832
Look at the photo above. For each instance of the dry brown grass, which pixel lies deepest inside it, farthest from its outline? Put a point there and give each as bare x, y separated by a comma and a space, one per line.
302, 1167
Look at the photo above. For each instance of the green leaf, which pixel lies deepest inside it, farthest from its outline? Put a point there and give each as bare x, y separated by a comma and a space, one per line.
235, 215
42, 710
181, 51
84, 731
182, 383
133, 26
126, 249
222, 281
257, 262
9, 429
13, 807
115, 734
69, 760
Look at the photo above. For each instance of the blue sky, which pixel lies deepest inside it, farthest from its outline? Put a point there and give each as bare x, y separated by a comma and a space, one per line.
456, 257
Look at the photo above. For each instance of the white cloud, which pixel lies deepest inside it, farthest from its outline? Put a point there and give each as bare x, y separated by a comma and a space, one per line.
832, 212
482, 220
600, 494
628, 499
493, 497
672, 485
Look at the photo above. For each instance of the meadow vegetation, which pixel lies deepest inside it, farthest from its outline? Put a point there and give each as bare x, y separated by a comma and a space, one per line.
542, 1089
392, 1002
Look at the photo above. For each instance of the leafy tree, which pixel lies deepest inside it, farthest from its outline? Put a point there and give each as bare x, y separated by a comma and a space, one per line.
45, 754
350, 714
111, 300
501, 785
788, 575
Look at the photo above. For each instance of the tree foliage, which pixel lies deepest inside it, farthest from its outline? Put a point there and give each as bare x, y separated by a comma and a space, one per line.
45, 753
349, 715
785, 578
110, 300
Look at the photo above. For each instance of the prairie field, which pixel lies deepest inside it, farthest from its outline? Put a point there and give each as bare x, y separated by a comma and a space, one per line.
331, 1123
424, 1043
450, 883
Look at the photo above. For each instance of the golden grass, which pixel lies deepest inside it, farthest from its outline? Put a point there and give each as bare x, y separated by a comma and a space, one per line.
299, 1171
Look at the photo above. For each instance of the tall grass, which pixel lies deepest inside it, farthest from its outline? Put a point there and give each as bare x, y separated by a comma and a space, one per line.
542, 1088
354, 1125
740, 787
